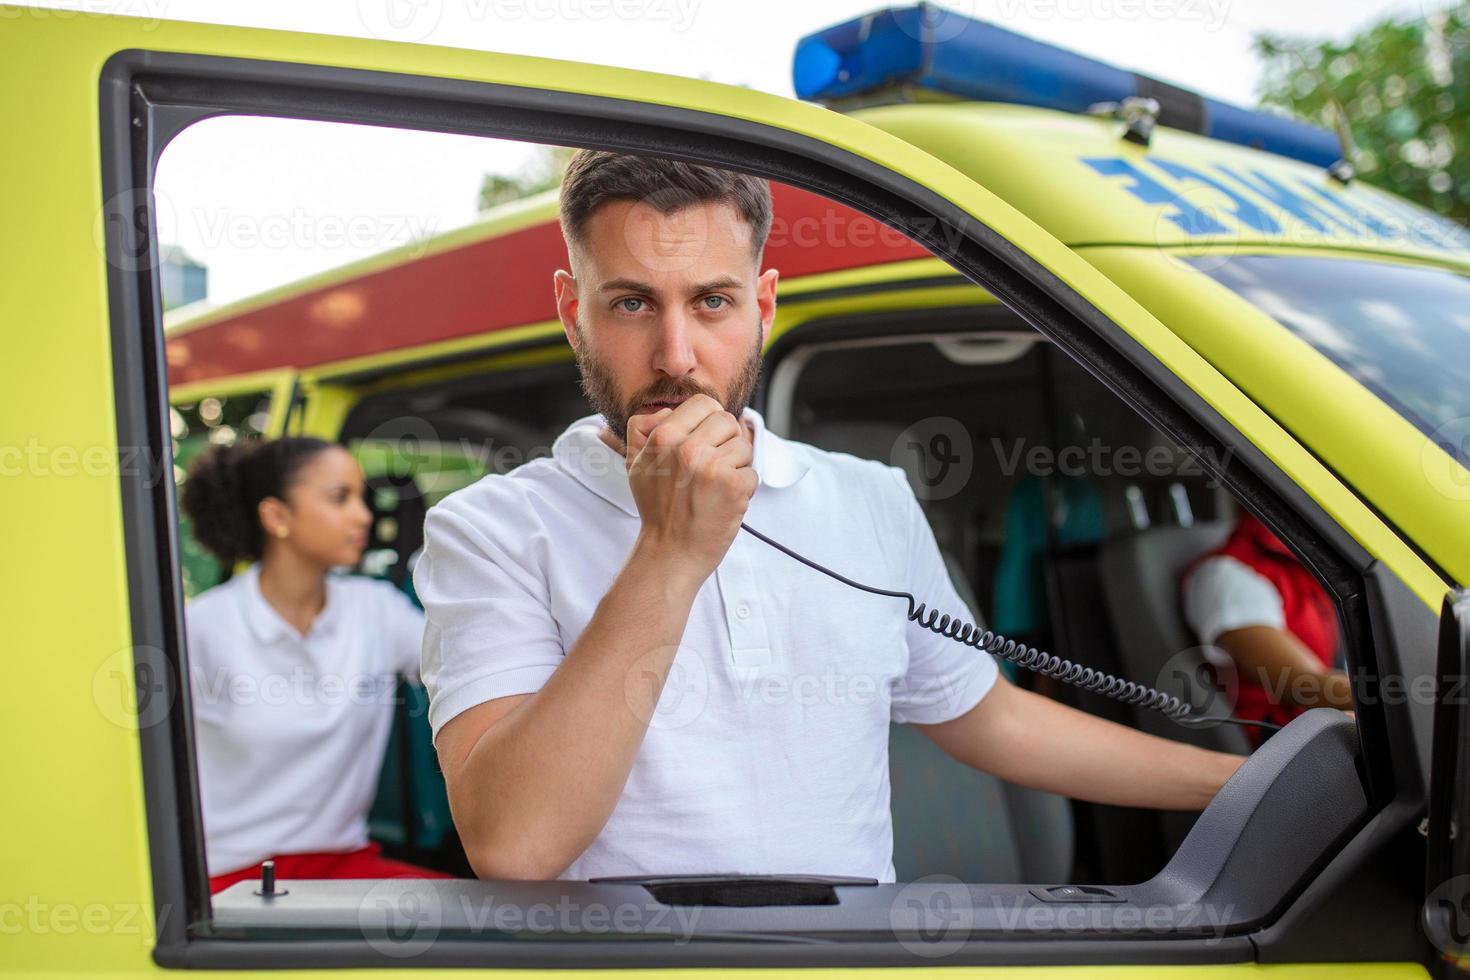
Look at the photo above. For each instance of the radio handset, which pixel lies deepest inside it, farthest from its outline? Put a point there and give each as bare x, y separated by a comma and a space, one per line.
1086, 678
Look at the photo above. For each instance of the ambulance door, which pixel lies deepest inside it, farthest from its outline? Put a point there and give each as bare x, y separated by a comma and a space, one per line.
155, 79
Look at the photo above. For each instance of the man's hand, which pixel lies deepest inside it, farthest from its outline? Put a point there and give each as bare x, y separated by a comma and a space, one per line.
689, 469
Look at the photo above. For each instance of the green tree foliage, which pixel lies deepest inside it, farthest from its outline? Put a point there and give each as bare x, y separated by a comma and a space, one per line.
542, 175
1405, 88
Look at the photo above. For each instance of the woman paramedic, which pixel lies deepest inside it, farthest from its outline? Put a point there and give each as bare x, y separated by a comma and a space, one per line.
293, 666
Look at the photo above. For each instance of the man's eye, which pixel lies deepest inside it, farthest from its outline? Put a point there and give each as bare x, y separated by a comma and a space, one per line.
629, 304
715, 302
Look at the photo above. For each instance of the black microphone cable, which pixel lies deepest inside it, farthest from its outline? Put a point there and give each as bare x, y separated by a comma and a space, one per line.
1086, 678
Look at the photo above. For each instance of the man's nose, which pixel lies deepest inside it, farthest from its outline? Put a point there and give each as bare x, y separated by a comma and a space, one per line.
674, 355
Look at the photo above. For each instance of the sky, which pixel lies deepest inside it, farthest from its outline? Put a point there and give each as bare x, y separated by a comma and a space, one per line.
264, 202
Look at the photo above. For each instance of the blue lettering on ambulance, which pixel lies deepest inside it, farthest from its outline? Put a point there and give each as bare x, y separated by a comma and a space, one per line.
1288, 200
1146, 189
1386, 220
1245, 210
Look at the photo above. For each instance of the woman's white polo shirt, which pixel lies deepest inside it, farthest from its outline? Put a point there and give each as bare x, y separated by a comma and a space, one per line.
291, 729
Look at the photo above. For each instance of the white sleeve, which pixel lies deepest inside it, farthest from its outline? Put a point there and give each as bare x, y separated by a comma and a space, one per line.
1225, 594
489, 629
402, 625
945, 679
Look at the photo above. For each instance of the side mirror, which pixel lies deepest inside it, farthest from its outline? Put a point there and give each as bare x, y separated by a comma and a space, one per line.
1446, 913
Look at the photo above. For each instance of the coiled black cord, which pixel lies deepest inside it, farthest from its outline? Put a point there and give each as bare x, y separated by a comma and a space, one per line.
1087, 678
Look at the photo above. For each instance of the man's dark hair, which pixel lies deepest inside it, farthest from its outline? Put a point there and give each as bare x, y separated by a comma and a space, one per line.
595, 177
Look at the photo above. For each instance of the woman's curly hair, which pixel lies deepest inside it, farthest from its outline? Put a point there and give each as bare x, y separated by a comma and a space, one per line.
224, 486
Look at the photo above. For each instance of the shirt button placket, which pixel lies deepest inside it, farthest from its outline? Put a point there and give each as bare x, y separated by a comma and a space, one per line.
749, 644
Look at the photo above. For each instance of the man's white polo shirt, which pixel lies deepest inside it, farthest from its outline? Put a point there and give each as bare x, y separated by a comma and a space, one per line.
768, 750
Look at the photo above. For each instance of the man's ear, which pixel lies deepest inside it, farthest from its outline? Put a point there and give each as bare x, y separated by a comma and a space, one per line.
765, 301
565, 287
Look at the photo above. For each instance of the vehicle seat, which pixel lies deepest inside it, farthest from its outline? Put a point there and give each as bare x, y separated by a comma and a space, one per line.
1140, 574
411, 807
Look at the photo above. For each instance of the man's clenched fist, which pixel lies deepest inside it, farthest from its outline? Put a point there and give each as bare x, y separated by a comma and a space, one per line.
690, 473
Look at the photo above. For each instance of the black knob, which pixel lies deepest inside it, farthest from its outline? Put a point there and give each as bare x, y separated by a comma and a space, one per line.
268, 881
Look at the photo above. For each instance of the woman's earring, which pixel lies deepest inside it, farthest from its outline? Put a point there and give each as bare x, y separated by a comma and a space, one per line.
281, 532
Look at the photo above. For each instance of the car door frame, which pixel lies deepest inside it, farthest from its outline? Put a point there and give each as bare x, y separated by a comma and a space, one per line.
148, 97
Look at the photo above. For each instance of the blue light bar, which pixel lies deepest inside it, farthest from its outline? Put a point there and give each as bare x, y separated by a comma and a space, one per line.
925, 47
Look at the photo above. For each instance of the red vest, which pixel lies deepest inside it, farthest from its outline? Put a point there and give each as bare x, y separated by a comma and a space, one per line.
1310, 615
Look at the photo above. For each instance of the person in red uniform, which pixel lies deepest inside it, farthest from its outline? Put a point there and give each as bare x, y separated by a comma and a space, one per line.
1251, 598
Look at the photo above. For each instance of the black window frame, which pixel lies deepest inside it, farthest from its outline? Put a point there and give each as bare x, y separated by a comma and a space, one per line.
146, 98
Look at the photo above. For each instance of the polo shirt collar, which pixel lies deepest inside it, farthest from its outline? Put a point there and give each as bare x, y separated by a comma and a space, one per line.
269, 626
588, 460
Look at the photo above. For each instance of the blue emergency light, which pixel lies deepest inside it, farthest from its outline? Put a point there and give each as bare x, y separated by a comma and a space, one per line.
925, 47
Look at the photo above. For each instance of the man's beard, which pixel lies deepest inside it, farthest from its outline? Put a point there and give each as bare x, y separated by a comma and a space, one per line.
602, 391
